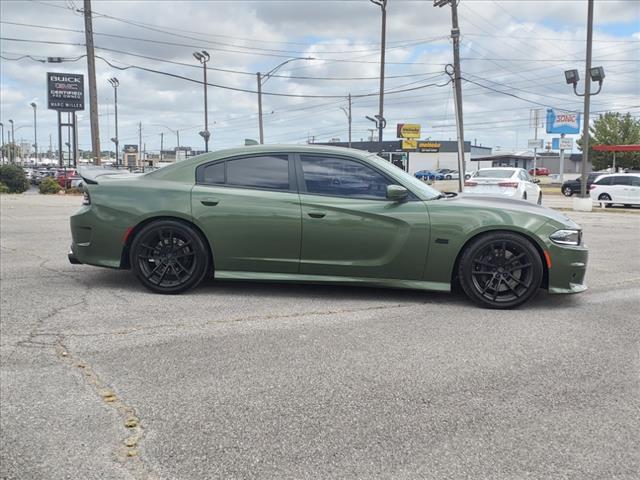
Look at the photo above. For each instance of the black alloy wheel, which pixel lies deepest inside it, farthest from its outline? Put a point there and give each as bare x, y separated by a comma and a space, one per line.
605, 198
500, 270
567, 191
169, 256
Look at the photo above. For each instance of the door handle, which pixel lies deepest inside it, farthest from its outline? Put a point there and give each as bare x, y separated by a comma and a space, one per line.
316, 214
209, 202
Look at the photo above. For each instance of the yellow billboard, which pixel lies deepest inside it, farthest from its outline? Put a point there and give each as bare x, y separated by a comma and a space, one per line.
409, 144
408, 130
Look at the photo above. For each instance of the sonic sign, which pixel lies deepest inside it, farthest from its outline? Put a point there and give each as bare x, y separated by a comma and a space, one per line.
562, 122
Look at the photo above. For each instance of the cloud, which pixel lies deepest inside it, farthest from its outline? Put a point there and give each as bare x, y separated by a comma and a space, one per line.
516, 47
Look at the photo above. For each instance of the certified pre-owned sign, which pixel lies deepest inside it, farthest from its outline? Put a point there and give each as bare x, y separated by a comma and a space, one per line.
65, 91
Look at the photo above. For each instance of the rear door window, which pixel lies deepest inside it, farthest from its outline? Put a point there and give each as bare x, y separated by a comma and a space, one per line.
260, 171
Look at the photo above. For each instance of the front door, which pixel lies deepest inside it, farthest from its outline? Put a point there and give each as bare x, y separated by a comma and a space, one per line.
349, 228
249, 209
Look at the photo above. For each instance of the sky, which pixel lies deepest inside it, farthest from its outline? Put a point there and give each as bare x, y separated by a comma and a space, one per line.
513, 56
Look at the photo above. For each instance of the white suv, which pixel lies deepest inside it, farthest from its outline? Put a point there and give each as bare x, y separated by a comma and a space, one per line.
621, 188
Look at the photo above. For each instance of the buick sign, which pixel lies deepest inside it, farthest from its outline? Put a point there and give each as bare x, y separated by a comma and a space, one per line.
65, 91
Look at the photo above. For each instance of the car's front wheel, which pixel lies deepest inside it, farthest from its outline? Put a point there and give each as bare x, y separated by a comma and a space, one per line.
567, 191
605, 199
169, 256
500, 270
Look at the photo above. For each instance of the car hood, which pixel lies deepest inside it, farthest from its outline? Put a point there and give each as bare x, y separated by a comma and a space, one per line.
488, 202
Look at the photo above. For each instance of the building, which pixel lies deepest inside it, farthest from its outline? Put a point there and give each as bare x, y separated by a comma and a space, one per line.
427, 154
524, 159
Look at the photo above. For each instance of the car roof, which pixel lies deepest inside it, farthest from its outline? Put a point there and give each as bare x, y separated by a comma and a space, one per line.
619, 174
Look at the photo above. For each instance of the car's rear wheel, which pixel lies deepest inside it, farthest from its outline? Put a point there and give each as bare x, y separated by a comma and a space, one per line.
169, 256
605, 198
524, 196
500, 270
567, 191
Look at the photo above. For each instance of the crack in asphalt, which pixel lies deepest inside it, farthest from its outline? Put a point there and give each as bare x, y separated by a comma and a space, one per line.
127, 450
237, 320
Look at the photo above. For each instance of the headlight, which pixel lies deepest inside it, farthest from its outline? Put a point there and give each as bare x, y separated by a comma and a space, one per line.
567, 237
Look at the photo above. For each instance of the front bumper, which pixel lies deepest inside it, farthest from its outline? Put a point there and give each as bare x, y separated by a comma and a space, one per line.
72, 258
568, 268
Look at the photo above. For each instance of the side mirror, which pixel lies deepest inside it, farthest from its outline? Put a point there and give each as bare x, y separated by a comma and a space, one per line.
397, 193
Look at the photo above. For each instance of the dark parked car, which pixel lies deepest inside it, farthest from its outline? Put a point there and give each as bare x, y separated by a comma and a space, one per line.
542, 171
573, 186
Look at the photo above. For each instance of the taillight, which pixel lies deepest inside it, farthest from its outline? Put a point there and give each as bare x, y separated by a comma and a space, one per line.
592, 186
509, 184
86, 199
470, 184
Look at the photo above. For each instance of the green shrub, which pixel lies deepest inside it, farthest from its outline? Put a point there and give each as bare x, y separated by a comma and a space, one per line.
14, 178
74, 191
49, 185
3, 188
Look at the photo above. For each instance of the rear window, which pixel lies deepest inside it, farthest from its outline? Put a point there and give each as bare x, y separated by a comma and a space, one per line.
493, 174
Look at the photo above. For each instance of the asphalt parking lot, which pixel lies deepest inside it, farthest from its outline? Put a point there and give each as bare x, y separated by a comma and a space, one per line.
100, 379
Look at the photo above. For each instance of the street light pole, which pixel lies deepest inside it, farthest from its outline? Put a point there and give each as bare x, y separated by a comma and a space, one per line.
115, 83
262, 79
35, 129
383, 6
12, 147
203, 57
2, 140
347, 112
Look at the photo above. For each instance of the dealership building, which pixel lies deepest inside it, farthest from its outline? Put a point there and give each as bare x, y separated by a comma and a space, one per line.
427, 154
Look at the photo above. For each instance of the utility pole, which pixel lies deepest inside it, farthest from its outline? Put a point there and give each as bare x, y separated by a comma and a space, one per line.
12, 149
93, 95
259, 75
347, 112
203, 57
456, 78
383, 6
161, 144
2, 140
587, 100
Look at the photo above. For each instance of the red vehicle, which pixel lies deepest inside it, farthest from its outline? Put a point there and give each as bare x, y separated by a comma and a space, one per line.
540, 171
64, 177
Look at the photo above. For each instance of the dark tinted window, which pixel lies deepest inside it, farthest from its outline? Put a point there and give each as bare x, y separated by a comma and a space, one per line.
213, 173
604, 181
635, 181
343, 178
269, 171
621, 180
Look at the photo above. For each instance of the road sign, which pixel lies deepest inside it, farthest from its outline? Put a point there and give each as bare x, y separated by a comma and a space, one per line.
561, 143
408, 130
65, 91
533, 143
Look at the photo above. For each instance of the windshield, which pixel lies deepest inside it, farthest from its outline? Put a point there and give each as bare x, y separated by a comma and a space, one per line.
409, 180
493, 174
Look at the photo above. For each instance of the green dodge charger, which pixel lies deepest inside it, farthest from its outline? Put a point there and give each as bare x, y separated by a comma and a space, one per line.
322, 215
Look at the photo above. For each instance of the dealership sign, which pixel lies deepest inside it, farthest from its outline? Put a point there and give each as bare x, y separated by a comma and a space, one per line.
429, 147
65, 91
562, 122
408, 130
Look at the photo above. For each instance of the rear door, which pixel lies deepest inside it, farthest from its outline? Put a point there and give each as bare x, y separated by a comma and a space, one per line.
621, 188
634, 191
249, 209
350, 228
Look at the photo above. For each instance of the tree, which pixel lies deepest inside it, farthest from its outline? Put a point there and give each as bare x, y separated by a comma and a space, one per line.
14, 178
614, 129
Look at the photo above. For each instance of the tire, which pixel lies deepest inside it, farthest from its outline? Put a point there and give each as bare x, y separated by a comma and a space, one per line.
567, 191
508, 258
540, 199
448, 177
524, 196
627, 205
605, 198
169, 257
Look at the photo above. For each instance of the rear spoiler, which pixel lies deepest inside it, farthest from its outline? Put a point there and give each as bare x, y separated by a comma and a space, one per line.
90, 175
